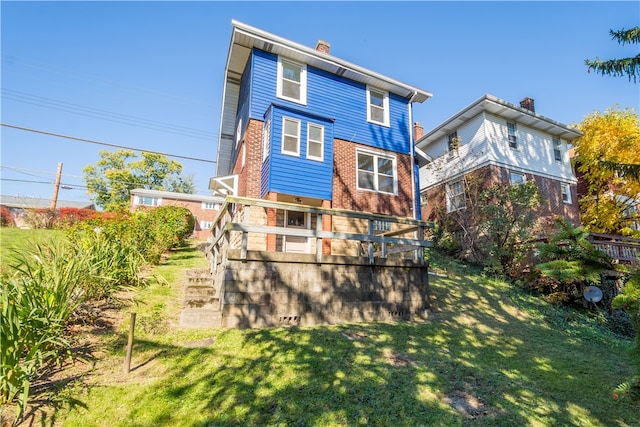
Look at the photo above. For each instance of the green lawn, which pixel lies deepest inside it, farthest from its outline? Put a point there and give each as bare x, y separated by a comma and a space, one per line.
488, 355
12, 238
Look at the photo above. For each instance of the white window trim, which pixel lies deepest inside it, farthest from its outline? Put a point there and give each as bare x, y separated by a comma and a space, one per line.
321, 142
266, 139
303, 81
385, 106
206, 225
564, 186
557, 149
450, 207
376, 155
515, 136
140, 201
282, 150
205, 206
512, 173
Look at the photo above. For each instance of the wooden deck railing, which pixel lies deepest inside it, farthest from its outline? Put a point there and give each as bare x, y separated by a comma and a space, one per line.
235, 216
625, 250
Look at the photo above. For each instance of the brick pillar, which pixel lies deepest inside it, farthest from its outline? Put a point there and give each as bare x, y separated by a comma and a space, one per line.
326, 226
272, 216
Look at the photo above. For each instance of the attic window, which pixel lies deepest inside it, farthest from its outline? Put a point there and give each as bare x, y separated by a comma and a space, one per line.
557, 149
511, 131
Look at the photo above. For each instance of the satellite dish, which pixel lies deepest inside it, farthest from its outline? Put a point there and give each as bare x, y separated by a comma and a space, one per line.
592, 294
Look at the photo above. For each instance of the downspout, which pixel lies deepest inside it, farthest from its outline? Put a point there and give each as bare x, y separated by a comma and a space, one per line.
414, 205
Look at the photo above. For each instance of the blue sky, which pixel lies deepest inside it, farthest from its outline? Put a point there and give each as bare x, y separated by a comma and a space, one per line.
149, 75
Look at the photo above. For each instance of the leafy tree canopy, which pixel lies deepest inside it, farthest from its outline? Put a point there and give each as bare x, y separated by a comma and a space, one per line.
608, 160
118, 172
619, 67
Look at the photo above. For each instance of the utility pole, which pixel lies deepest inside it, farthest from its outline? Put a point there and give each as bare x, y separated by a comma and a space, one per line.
54, 200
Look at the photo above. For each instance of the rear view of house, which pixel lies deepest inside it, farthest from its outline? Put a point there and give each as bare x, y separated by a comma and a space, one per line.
501, 142
317, 163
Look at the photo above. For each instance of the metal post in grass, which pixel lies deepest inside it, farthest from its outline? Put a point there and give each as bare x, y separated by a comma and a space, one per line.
132, 326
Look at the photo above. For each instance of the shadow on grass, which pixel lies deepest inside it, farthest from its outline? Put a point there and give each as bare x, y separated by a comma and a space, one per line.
478, 360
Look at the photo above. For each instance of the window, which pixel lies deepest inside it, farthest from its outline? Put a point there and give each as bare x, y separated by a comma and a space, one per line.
377, 106
517, 178
292, 81
455, 196
266, 138
424, 199
557, 153
149, 201
511, 131
290, 136
206, 225
315, 142
565, 190
209, 205
376, 172
379, 225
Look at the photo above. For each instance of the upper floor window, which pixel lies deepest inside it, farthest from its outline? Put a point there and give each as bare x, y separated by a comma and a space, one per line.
557, 149
377, 172
456, 196
209, 205
517, 178
290, 136
315, 142
149, 201
511, 132
292, 81
377, 106
424, 199
206, 225
565, 190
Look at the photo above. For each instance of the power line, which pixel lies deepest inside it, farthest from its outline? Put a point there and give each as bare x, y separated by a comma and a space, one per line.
68, 186
97, 113
104, 143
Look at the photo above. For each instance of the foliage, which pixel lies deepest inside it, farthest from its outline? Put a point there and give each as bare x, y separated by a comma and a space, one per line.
118, 172
629, 301
65, 217
40, 218
570, 262
509, 215
37, 300
606, 156
619, 67
6, 219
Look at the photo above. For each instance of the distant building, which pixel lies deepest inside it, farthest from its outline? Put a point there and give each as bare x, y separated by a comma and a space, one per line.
18, 206
203, 208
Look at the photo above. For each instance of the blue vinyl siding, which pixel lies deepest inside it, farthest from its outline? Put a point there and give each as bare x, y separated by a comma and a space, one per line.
299, 176
333, 96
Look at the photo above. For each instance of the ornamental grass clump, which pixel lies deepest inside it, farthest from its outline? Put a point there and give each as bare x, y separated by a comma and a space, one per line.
37, 300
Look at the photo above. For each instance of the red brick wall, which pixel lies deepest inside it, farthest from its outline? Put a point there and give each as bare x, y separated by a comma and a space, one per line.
347, 196
550, 197
249, 174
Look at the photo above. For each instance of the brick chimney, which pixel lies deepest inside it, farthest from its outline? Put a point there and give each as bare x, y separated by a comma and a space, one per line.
528, 104
323, 46
418, 131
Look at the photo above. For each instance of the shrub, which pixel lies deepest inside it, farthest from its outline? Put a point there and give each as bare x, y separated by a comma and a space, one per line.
66, 217
40, 218
6, 218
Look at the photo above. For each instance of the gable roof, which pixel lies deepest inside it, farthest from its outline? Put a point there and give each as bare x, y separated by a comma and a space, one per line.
244, 38
499, 107
38, 203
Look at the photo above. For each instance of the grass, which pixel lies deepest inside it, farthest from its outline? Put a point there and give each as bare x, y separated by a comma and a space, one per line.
488, 355
16, 238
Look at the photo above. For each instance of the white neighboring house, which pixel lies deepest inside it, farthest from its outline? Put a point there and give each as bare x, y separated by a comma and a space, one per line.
511, 143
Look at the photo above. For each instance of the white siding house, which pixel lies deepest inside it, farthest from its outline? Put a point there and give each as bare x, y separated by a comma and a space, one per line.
513, 141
